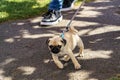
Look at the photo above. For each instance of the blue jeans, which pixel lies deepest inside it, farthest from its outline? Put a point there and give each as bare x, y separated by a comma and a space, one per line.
55, 5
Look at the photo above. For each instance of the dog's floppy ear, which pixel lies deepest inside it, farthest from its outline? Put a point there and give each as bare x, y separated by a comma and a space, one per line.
47, 41
63, 41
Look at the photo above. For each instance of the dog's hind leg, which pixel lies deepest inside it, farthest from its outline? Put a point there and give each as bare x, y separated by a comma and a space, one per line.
74, 60
81, 46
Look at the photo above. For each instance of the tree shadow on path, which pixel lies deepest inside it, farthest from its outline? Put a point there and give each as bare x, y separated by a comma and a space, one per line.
24, 54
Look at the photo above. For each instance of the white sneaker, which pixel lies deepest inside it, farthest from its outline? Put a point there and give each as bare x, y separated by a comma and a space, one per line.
51, 17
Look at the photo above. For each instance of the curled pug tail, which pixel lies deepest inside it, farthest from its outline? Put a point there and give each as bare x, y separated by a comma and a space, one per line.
73, 30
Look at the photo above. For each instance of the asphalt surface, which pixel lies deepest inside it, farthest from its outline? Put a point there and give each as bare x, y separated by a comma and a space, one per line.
24, 54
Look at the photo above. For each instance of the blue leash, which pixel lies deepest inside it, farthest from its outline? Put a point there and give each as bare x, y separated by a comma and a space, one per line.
68, 25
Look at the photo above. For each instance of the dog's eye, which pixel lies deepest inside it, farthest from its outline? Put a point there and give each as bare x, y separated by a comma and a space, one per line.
51, 46
59, 46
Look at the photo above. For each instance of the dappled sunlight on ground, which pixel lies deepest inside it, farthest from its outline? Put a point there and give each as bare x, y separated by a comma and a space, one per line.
24, 54
37, 36
4, 64
88, 11
20, 23
104, 29
35, 20
89, 54
9, 40
117, 38
27, 70
80, 75
7, 61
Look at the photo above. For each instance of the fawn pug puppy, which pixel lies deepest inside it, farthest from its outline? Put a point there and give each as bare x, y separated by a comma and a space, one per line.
64, 46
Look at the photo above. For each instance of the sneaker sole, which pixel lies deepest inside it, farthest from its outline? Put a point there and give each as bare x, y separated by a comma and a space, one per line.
52, 23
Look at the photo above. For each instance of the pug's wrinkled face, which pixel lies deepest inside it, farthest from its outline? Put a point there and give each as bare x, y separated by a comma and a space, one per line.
55, 44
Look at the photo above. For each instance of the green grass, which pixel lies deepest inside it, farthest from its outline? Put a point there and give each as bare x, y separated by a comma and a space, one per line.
21, 9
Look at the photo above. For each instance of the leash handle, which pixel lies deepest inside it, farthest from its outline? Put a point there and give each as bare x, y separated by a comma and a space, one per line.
68, 25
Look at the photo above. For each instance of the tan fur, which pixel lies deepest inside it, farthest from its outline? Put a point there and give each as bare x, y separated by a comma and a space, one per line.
72, 40
55, 40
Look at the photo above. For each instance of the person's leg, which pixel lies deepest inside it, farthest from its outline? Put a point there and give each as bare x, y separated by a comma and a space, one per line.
55, 5
53, 16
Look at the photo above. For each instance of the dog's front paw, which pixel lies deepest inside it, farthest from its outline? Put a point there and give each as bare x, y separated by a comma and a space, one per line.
61, 66
77, 66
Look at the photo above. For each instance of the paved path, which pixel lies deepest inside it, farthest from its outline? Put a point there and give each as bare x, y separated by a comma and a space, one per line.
24, 54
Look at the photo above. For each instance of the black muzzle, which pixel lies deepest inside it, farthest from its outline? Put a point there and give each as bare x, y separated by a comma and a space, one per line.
55, 50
